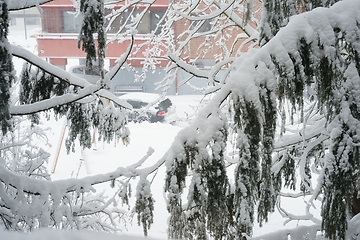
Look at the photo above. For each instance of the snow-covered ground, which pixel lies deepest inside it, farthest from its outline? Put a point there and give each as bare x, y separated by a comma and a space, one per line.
159, 136
107, 157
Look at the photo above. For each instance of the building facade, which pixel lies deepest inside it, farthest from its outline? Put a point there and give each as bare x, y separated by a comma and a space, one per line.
57, 43
26, 21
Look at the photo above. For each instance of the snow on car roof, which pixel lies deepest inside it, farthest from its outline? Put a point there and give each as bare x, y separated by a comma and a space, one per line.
141, 96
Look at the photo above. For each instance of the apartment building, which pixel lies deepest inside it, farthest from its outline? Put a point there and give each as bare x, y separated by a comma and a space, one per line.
57, 43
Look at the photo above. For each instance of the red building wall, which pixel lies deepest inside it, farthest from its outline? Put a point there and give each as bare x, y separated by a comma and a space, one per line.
56, 46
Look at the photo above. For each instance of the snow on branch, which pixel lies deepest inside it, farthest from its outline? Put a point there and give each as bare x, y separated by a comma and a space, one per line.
304, 25
188, 68
310, 232
249, 30
52, 102
40, 187
72, 202
24, 4
20, 52
87, 88
277, 70
212, 15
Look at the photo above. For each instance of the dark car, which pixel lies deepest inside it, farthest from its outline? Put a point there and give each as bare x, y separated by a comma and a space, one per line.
149, 107
91, 75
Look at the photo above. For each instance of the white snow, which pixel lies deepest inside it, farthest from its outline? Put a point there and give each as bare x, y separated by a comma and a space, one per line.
147, 141
152, 141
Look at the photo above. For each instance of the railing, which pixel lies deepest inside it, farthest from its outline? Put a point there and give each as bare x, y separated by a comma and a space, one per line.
75, 36
122, 89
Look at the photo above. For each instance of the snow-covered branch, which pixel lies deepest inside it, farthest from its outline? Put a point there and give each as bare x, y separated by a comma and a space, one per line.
69, 202
52, 102
187, 67
39, 187
28, 56
224, 7
88, 89
298, 233
293, 217
248, 29
259, 78
23, 4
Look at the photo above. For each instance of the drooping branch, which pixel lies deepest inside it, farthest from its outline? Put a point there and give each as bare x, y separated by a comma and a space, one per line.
277, 65
22, 53
41, 187
47, 104
88, 89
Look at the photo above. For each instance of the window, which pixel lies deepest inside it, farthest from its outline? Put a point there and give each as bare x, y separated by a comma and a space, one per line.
150, 21
144, 26
206, 26
115, 24
147, 24
71, 22
204, 63
155, 16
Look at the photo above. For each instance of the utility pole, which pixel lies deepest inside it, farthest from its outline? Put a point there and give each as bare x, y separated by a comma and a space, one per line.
25, 23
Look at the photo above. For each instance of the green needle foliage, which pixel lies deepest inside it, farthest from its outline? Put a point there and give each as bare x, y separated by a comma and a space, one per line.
6, 69
93, 24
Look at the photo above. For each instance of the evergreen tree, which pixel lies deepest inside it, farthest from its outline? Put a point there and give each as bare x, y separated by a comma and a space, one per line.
311, 58
276, 14
322, 57
144, 205
93, 23
6, 69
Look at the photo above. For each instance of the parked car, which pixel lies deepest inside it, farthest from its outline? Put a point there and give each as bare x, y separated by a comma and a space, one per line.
91, 75
149, 107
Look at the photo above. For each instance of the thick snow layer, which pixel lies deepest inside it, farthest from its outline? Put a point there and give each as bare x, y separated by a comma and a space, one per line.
141, 96
46, 234
159, 137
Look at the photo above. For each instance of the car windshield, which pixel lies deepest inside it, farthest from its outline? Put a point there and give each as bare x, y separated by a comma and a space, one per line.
137, 104
165, 104
94, 71
79, 70
83, 70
